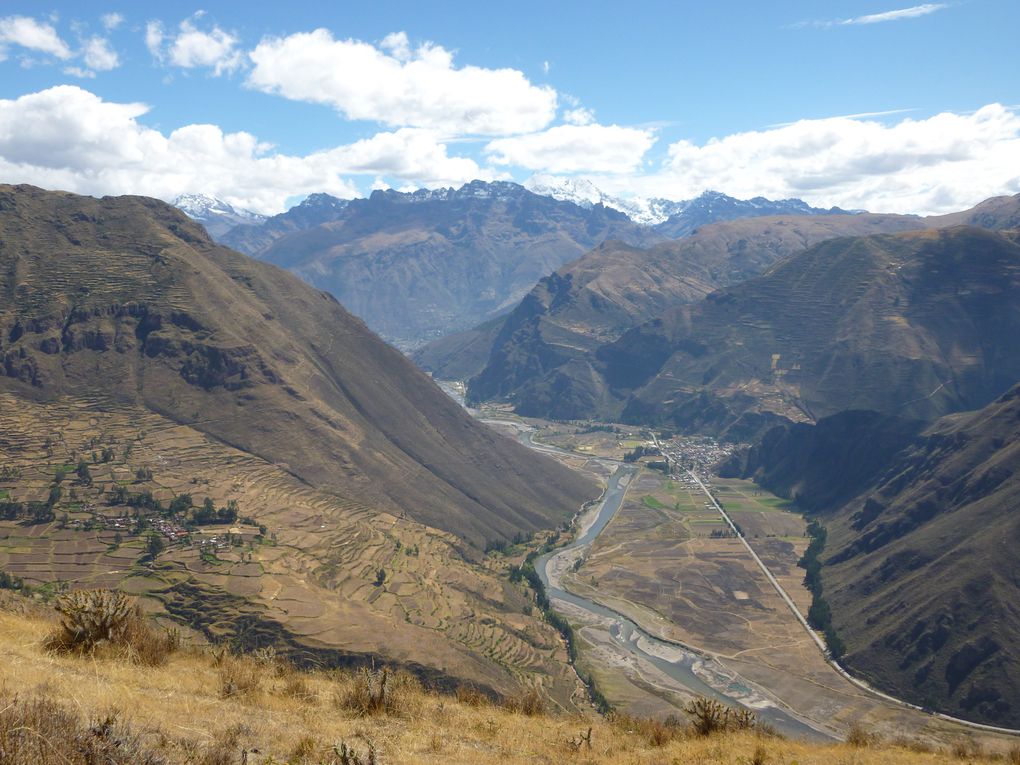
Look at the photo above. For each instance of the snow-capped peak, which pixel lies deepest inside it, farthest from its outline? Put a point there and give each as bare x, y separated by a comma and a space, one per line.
203, 207
584, 193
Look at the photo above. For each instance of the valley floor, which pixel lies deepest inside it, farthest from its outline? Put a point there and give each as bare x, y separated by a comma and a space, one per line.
669, 564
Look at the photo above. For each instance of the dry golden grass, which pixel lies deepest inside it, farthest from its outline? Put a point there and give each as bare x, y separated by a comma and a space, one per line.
181, 712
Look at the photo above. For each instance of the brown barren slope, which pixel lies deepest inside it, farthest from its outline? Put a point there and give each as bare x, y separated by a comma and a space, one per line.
125, 297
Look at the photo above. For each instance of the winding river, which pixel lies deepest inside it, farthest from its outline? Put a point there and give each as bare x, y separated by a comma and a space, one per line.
690, 670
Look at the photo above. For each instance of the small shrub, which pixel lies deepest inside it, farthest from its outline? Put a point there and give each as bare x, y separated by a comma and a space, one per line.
966, 748
709, 716
656, 732
529, 703
366, 693
296, 687
859, 736
471, 696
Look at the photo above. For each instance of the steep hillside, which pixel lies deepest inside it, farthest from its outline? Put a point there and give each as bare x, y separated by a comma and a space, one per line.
128, 299
544, 355
192, 425
418, 266
917, 324
919, 569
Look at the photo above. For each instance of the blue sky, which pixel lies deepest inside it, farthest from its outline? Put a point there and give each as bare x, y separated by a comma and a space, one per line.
881, 105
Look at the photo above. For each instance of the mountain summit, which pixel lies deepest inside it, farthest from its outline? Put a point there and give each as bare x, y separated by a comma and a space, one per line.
217, 216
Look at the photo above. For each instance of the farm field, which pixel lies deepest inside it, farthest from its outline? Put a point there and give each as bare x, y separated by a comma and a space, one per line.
666, 563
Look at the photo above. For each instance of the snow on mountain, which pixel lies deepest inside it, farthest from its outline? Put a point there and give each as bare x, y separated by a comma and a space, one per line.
584, 193
217, 216
682, 216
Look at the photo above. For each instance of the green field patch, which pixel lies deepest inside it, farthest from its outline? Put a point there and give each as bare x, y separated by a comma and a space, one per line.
5, 494
649, 501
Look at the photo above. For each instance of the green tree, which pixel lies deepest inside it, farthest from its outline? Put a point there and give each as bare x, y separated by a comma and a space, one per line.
154, 545
84, 474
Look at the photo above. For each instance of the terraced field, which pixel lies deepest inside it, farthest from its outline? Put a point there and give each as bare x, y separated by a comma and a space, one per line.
330, 579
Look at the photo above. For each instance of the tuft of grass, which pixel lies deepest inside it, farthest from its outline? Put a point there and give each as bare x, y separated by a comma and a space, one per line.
39, 731
240, 677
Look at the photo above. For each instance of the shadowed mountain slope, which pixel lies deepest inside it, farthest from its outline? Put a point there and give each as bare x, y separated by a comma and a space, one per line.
920, 568
127, 298
544, 355
918, 324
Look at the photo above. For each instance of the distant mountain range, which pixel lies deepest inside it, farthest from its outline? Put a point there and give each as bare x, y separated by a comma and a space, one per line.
672, 219
419, 266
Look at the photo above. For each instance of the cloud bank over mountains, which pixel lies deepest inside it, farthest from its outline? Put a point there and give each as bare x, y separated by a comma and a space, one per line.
443, 122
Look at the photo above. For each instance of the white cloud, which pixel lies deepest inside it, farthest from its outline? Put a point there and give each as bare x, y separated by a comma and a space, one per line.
398, 86
77, 71
575, 148
192, 48
68, 138
154, 39
215, 49
878, 18
944, 163
98, 55
579, 116
111, 20
32, 34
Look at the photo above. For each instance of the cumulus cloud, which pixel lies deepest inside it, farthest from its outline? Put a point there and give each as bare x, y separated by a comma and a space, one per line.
399, 86
939, 164
68, 138
575, 148
192, 48
33, 35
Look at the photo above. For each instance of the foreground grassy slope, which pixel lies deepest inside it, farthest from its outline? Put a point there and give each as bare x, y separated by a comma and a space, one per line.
207, 709
126, 298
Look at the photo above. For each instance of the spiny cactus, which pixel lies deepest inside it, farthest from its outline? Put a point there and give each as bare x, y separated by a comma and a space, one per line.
709, 716
91, 617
